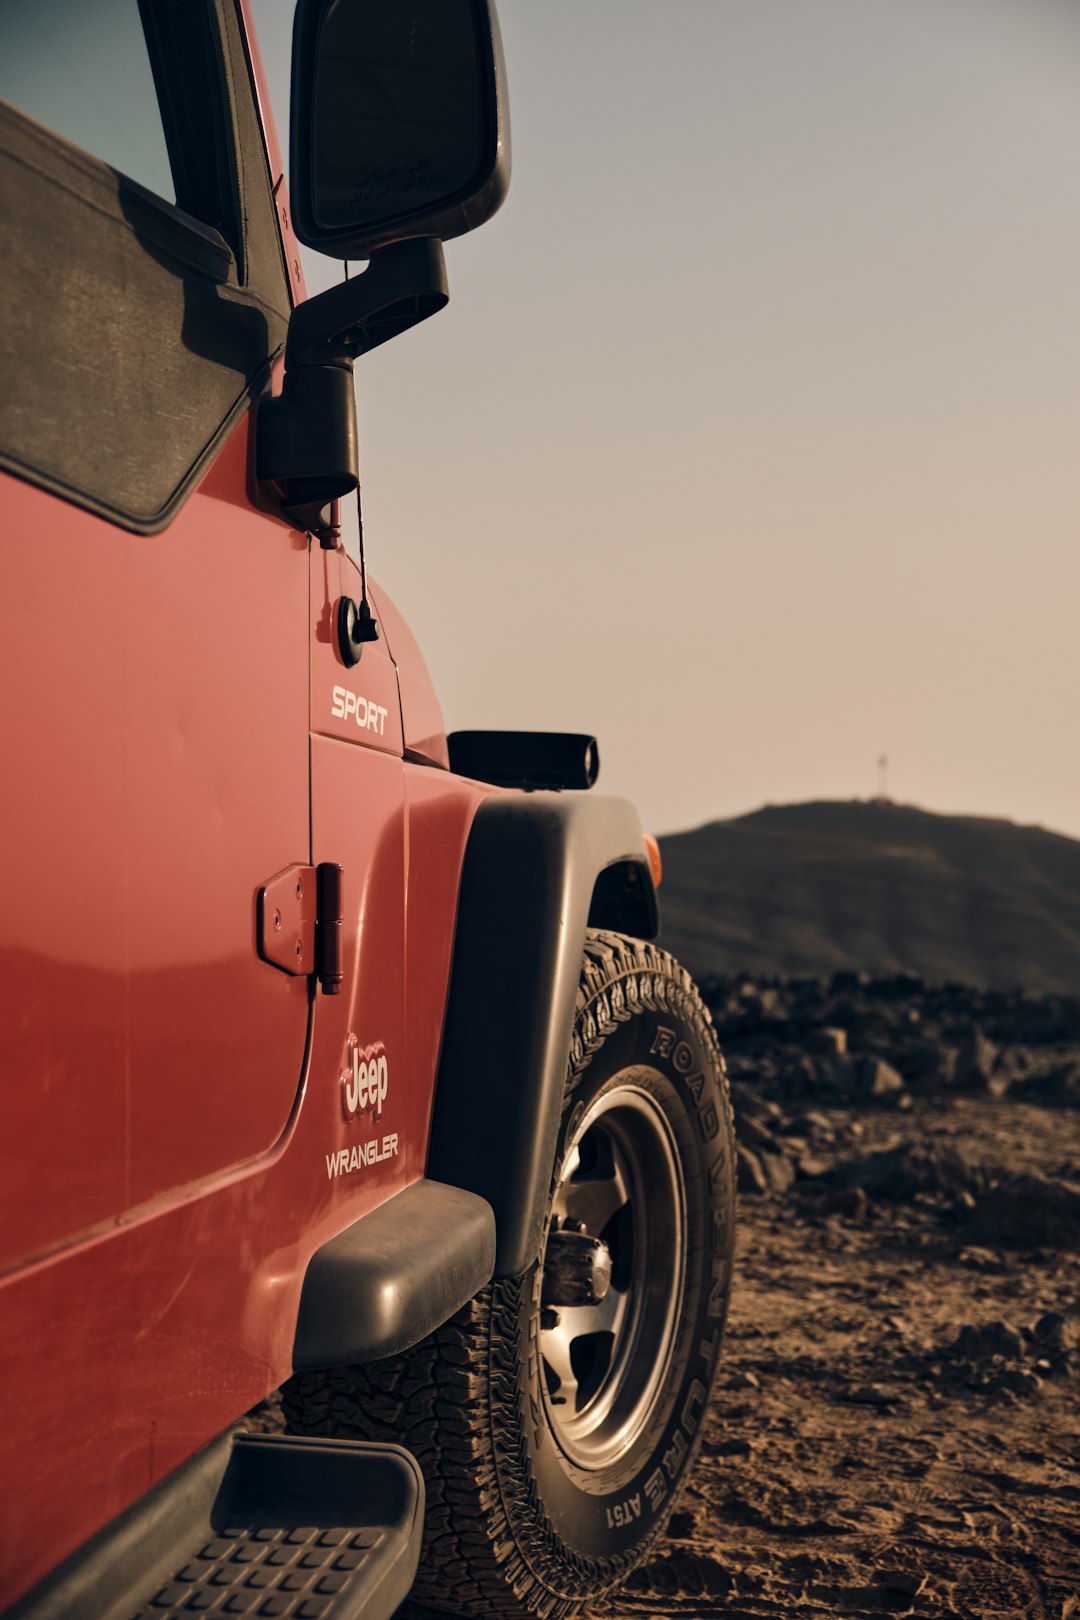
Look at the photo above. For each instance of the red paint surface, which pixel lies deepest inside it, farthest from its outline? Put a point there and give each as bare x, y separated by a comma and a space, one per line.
374, 716
422, 718
170, 744
125, 1354
160, 757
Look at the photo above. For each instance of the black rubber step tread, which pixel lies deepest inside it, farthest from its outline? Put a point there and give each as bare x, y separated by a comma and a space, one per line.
295, 1530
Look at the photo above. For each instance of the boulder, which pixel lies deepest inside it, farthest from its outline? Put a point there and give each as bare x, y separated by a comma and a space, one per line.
749, 1103
811, 1167
1029, 1211
811, 1123
929, 1065
802, 1074
1057, 1335
779, 1173
752, 1132
749, 1175
1062, 1085
876, 1078
975, 1060
898, 1173
983, 1341
832, 1042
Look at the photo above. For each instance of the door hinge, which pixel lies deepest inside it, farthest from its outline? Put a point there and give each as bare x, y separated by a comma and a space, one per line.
299, 923
328, 910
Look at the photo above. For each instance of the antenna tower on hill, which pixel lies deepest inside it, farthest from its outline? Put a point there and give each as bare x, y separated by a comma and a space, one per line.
882, 796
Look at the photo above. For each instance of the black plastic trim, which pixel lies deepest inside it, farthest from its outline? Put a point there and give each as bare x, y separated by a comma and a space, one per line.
624, 899
394, 1276
531, 868
526, 759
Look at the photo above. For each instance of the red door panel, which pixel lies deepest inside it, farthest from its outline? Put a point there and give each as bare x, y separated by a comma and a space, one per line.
156, 692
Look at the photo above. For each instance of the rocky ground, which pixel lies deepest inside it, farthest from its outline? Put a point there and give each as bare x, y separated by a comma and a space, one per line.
896, 1429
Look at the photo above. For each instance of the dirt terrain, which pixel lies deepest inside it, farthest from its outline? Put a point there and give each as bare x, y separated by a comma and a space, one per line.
897, 1428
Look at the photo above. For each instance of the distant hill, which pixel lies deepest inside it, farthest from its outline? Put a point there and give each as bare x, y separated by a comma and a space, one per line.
810, 888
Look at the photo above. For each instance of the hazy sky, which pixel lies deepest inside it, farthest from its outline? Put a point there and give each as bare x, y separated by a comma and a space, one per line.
750, 439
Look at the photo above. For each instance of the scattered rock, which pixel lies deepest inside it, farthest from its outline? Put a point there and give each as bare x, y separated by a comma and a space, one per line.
901, 1172
831, 1041
1059, 1086
980, 1259
1020, 1381
982, 1342
736, 1447
744, 1380
801, 1073
1011, 1069
753, 1132
812, 1124
682, 1525
1029, 1211
810, 1167
779, 1173
750, 1104
749, 1174
1057, 1335
929, 1065
876, 1078
975, 1060
906, 1582
851, 1202
869, 1395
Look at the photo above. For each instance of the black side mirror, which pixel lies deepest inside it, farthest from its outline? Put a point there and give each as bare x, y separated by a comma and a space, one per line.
400, 124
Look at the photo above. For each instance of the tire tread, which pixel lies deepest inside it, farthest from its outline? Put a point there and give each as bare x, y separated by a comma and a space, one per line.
489, 1547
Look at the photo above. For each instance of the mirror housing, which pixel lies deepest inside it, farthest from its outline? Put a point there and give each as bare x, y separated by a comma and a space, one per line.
400, 122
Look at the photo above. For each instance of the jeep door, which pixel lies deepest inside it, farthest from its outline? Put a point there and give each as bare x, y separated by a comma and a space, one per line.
153, 621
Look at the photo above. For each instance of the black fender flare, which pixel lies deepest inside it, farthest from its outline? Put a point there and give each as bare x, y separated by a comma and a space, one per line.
539, 869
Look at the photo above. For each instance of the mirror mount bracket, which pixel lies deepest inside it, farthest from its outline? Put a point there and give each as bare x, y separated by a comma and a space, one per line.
306, 443
404, 284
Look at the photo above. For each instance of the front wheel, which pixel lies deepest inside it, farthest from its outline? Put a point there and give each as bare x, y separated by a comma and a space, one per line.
556, 1415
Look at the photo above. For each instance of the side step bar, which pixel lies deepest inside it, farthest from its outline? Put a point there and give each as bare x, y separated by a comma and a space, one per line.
271, 1527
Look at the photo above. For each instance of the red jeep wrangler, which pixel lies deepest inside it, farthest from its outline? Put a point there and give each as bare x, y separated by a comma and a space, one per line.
335, 1057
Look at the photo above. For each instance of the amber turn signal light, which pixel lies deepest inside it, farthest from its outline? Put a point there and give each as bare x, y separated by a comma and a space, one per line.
656, 865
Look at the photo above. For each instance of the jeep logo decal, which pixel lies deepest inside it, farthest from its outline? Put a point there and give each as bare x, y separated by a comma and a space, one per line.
364, 1080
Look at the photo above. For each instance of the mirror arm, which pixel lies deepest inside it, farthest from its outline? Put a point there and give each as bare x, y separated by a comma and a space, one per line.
306, 440
403, 284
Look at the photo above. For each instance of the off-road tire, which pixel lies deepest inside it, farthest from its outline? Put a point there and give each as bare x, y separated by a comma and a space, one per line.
535, 1507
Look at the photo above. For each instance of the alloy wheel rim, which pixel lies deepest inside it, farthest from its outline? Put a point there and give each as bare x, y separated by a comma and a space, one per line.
603, 1365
